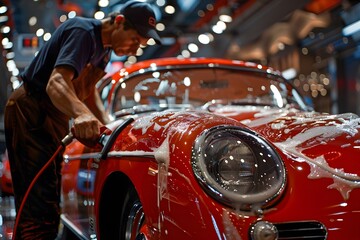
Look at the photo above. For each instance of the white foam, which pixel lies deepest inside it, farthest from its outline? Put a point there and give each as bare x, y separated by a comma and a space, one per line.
343, 124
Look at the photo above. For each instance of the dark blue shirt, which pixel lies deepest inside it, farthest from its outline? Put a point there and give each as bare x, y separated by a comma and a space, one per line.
75, 43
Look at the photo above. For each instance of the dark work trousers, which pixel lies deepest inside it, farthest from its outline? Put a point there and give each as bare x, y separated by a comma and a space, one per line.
33, 130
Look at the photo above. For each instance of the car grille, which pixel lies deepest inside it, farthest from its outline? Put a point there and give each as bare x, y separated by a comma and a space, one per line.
301, 230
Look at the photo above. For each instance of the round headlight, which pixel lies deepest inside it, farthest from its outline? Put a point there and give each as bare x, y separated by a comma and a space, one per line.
237, 167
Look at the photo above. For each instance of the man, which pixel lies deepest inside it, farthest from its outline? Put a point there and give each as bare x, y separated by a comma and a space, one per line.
59, 84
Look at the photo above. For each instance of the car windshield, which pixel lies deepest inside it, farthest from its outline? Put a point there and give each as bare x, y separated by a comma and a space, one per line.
201, 86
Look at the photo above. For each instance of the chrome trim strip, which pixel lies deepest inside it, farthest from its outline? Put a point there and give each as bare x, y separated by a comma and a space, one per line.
81, 156
131, 154
117, 154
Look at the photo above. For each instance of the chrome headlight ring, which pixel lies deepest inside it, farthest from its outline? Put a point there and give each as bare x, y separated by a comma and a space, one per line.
237, 167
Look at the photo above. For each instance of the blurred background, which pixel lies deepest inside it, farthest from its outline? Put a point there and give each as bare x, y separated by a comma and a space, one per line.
314, 43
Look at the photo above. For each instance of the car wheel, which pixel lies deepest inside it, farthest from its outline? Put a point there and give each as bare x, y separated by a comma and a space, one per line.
132, 216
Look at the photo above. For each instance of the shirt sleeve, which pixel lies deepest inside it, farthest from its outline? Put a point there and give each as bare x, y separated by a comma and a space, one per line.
76, 49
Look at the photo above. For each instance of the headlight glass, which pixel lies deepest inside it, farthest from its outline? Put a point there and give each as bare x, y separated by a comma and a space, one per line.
237, 167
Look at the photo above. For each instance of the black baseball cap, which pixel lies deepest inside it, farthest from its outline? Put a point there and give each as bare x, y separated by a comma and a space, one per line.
142, 17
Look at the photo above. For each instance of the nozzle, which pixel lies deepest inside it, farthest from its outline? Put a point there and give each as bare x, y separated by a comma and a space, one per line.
67, 139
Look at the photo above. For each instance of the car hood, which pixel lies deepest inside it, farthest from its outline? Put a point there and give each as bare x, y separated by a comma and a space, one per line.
330, 144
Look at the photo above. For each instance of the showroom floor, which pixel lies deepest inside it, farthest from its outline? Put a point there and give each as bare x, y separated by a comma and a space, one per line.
7, 217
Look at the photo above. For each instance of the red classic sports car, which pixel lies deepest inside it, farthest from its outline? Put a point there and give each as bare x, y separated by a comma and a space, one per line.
213, 149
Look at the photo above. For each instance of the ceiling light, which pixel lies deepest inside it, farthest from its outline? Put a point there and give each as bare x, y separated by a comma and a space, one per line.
221, 25
10, 55
47, 36
217, 29
3, 9
32, 21
225, 18
132, 59
151, 42
40, 32
160, 3
4, 41
169, 9
139, 52
193, 47
15, 72
5, 29
10, 65
99, 15
201, 13
63, 18
72, 14
160, 27
204, 39
15, 84
103, 3
3, 18
185, 53
211, 37
9, 45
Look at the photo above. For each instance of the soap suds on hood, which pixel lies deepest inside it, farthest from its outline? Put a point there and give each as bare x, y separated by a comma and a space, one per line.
346, 123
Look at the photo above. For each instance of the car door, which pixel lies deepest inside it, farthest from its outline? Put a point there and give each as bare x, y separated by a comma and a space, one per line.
78, 181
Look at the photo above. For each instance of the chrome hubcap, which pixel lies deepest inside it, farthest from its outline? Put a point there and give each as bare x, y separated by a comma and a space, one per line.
135, 221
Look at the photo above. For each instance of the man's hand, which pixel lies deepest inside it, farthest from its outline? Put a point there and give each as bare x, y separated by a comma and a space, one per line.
86, 128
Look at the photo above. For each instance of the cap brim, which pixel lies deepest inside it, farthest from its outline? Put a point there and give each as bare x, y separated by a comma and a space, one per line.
150, 33
153, 34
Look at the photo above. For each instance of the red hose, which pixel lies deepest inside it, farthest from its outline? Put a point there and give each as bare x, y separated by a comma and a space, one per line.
30, 187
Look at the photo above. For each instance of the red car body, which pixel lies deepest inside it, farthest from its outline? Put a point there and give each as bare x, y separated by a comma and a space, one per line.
218, 161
